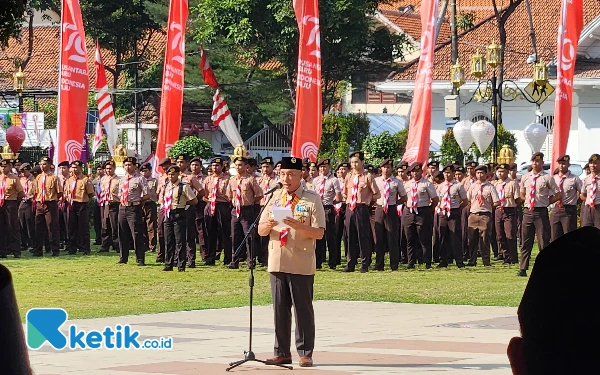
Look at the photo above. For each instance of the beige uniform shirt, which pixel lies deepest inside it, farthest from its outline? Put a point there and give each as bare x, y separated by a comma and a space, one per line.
195, 183
137, 187
187, 194
425, 192
249, 189
152, 184
457, 193
222, 187
512, 192
28, 184
298, 254
396, 190
545, 187
110, 184
52, 187
366, 188
12, 186
331, 188
588, 183
79, 189
571, 187
489, 194
266, 183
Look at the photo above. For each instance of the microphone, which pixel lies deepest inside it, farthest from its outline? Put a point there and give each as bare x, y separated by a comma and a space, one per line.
278, 186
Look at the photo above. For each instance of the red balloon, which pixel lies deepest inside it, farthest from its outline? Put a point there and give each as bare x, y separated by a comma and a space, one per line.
15, 136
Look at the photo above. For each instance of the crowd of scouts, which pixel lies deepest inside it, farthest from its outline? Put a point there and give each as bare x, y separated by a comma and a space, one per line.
418, 214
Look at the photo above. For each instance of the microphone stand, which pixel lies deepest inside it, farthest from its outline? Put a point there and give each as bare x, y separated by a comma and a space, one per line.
249, 355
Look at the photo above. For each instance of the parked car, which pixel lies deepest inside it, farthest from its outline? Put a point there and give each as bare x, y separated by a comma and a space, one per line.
576, 168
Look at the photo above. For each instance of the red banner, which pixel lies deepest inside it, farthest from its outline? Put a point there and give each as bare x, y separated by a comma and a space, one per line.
419, 131
207, 72
172, 84
569, 30
73, 84
307, 122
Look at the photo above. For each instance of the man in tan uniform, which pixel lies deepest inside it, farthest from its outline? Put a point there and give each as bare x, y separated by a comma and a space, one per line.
10, 192
80, 190
217, 213
97, 213
590, 209
150, 212
48, 192
63, 208
110, 209
196, 186
340, 212
538, 191
563, 218
266, 182
26, 207
506, 214
292, 262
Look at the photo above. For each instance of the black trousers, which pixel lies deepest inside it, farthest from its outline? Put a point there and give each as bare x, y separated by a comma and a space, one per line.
289, 290
506, 233
47, 226
464, 215
219, 227
239, 229
436, 238
535, 223
450, 235
175, 229
419, 231
192, 232
150, 218
494, 244
79, 228
360, 235
340, 234
131, 228
97, 214
63, 217
262, 254
10, 225
402, 243
202, 234
160, 256
562, 221
26, 221
386, 237
328, 241
110, 226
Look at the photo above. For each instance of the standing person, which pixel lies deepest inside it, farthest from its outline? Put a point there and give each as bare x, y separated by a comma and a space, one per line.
340, 213
292, 263
433, 167
192, 231
563, 218
110, 211
97, 214
63, 176
386, 216
459, 173
201, 234
418, 215
590, 209
483, 198
217, 212
538, 191
437, 179
517, 179
307, 179
328, 188
404, 178
361, 191
80, 190
266, 182
47, 193
134, 192
11, 192
164, 165
453, 198
505, 218
469, 180
26, 207
176, 196
313, 170
243, 192
150, 206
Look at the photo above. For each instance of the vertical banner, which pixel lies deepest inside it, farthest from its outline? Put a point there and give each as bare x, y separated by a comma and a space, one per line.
569, 30
308, 118
73, 84
172, 83
106, 115
419, 131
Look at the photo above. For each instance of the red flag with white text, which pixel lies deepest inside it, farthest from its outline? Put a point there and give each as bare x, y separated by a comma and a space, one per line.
207, 73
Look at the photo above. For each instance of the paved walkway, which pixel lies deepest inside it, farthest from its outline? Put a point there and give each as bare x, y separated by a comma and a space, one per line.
352, 338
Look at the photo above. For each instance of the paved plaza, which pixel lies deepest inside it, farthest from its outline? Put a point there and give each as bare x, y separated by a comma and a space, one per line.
352, 338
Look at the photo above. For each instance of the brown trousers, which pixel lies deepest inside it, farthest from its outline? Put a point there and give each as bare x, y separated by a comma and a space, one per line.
535, 224
78, 228
131, 229
10, 226
506, 233
150, 218
46, 224
386, 237
562, 221
480, 230
450, 237
590, 217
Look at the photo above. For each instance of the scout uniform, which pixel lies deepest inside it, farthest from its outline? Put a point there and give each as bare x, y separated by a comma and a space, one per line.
307, 178
192, 230
110, 211
537, 189
563, 218
340, 212
243, 191
466, 211
402, 244
590, 209
10, 191
505, 219
63, 208
150, 208
265, 182
437, 178
360, 191
97, 214
483, 198
80, 189
175, 198
517, 179
386, 218
217, 214
201, 233
164, 163
418, 217
452, 196
27, 207
292, 264
133, 191
48, 192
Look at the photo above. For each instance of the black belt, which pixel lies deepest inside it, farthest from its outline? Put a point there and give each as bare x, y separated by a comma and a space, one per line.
131, 204
537, 208
221, 203
506, 208
571, 206
389, 205
327, 205
482, 213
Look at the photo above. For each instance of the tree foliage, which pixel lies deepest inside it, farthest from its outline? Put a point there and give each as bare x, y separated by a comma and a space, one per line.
378, 147
451, 151
191, 146
342, 133
11, 18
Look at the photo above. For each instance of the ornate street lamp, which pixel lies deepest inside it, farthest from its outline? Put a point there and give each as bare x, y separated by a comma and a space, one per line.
457, 75
494, 55
19, 86
478, 65
540, 73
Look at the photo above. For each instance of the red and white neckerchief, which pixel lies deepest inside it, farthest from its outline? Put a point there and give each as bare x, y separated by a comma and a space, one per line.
354, 195
64, 189
593, 192
43, 189
532, 192
106, 193
213, 196
125, 191
399, 209
2, 191
267, 183
26, 188
72, 192
338, 208
386, 195
414, 198
502, 195
238, 198
168, 203
322, 187
447, 205
98, 192
480, 194
283, 236
560, 186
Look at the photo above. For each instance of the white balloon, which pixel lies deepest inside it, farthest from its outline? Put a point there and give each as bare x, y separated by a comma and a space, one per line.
2, 137
462, 134
535, 135
483, 134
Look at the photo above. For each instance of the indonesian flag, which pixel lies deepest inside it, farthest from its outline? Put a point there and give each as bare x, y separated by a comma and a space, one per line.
106, 115
98, 135
222, 118
207, 72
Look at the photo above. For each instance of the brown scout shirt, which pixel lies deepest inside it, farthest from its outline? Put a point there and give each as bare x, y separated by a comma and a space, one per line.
194, 183
425, 192
111, 184
52, 188
457, 193
137, 187
332, 187
571, 188
12, 186
222, 187
187, 194
298, 255
587, 189
28, 184
265, 183
396, 190
545, 187
250, 190
152, 184
511, 192
366, 188
83, 187
490, 196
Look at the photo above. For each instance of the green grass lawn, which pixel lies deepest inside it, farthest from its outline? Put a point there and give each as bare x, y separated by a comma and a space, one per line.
95, 286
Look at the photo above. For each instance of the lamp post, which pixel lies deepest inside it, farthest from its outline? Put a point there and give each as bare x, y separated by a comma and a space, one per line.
19, 86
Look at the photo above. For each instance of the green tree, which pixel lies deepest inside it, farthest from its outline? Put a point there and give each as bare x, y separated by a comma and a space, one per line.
401, 139
11, 18
341, 133
191, 146
379, 147
452, 152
